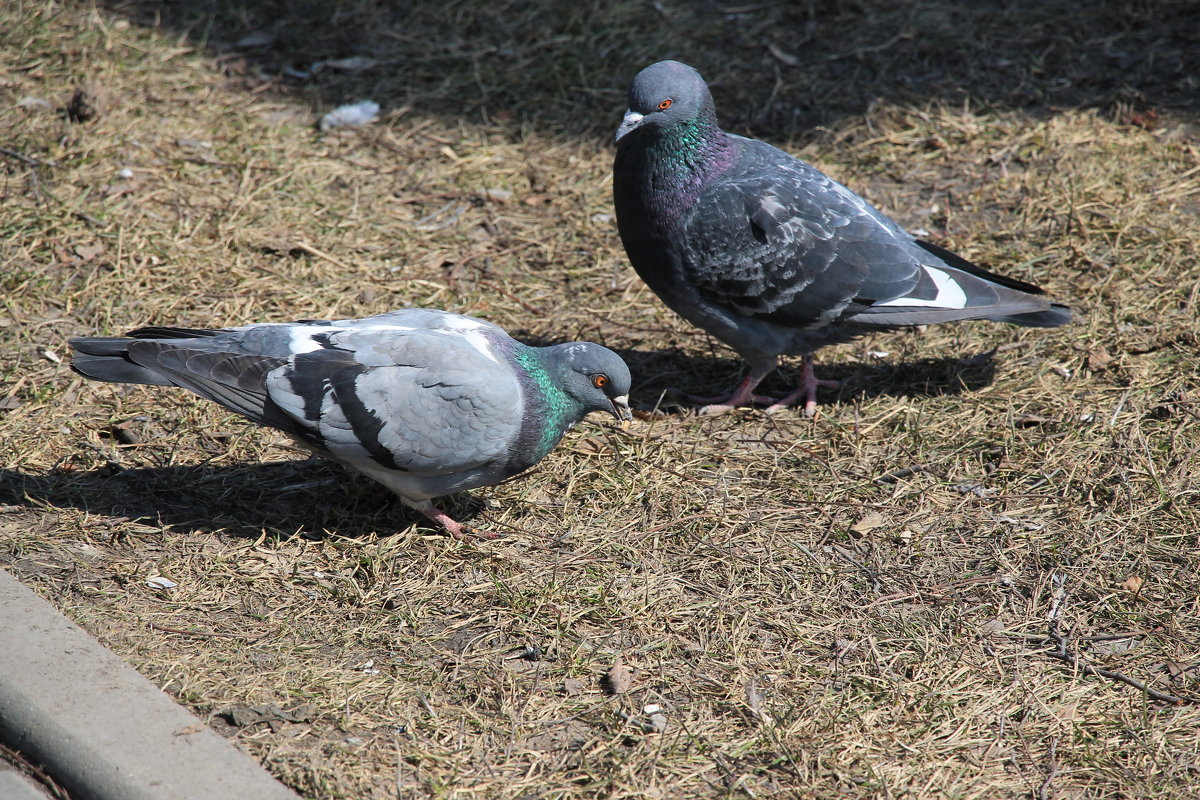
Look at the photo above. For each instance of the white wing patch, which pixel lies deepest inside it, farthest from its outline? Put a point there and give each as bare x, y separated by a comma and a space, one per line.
949, 293
472, 331
480, 343
302, 341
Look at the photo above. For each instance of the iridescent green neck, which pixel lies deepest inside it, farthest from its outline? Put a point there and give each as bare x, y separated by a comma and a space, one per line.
689, 150
554, 411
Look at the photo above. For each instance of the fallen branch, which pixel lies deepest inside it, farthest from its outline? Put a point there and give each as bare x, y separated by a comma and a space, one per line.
1064, 654
24, 159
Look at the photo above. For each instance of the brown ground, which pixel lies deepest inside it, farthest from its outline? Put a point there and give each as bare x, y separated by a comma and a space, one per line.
856, 606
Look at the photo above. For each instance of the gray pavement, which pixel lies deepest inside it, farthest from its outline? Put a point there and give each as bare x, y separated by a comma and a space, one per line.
99, 728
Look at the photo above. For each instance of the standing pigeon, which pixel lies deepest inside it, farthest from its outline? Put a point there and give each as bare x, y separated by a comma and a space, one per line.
426, 402
768, 254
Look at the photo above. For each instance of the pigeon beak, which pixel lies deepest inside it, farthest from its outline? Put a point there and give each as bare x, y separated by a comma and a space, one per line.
631, 120
620, 409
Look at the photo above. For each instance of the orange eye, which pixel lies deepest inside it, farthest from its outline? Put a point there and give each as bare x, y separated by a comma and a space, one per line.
664, 105
599, 381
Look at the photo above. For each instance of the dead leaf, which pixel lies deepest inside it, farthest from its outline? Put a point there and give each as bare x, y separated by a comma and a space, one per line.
842, 648
87, 103
242, 716
871, 521
1132, 584
255, 39
594, 445
1098, 359
87, 252
120, 189
189, 143
619, 678
992, 627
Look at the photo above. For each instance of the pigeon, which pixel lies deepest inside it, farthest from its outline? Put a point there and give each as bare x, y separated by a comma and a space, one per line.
424, 401
771, 256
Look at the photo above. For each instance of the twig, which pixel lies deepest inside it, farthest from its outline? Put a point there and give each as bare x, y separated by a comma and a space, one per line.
88, 218
1100, 637
312, 251
24, 159
156, 627
878, 48
1051, 771
893, 477
1067, 657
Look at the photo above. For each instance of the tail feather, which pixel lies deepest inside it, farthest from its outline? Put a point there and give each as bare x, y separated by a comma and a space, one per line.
106, 358
960, 263
170, 332
158, 357
1057, 314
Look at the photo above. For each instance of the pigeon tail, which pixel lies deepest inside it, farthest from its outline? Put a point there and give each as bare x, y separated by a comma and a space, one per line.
1057, 314
106, 358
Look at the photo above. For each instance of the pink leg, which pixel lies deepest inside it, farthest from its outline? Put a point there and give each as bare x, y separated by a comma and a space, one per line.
453, 527
743, 395
806, 388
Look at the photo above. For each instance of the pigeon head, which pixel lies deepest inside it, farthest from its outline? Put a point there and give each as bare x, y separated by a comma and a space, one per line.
594, 376
666, 95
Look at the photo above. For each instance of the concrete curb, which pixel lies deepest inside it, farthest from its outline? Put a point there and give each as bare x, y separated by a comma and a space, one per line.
100, 729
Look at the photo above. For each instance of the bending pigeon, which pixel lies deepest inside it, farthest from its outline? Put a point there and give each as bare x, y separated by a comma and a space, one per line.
768, 254
426, 402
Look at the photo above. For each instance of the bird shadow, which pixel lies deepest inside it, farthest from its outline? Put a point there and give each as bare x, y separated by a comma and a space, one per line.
661, 377
316, 499
311, 498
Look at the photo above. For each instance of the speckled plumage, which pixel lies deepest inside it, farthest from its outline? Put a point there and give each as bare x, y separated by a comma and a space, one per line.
769, 255
424, 401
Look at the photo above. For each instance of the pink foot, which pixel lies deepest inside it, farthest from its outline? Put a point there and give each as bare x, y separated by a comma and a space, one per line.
452, 526
806, 389
743, 395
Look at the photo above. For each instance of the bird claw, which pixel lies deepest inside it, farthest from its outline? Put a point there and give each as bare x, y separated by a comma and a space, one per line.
454, 527
743, 395
807, 390
725, 403
478, 534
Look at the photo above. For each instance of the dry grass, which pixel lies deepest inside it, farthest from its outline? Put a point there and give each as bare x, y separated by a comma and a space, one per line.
856, 606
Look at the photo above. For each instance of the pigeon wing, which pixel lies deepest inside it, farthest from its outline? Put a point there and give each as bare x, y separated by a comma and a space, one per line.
425, 402
784, 243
